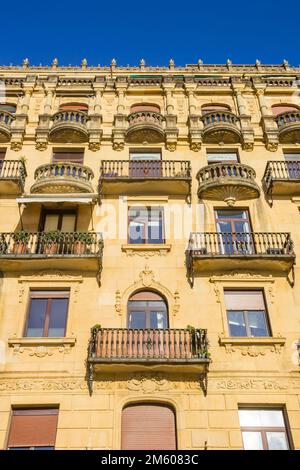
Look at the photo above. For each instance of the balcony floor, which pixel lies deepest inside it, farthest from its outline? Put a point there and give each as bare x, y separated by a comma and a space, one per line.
162, 186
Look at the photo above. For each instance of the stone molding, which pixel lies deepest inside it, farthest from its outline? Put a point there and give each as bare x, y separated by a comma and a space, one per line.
41, 347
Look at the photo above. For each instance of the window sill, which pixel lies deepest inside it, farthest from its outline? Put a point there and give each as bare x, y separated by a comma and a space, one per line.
41, 347
146, 249
252, 346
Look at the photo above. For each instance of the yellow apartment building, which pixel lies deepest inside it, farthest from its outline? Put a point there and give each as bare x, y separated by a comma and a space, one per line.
149, 238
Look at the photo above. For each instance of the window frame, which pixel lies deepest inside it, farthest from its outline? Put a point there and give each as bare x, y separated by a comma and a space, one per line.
147, 309
264, 429
42, 294
266, 314
60, 212
74, 151
146, 226
224, 152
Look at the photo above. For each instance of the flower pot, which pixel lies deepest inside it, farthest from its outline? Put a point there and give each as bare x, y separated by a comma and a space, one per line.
50, 248
79, 248
20, 248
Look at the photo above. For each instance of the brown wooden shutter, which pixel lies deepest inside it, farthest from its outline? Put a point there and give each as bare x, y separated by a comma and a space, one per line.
33, 428
70, 157
148, 427
244, 300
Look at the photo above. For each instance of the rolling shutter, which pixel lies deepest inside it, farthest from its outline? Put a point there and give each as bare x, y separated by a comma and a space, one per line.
33, 428
148, 427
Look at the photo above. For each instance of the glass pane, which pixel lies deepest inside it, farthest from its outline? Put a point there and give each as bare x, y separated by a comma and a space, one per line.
155, 231
58, 317
158, 320
236, 323
277, 440
51, 222
68, 223
234, 214
252, 440
261, 418
36, 320
145, 156
137, 320
136, 232
257, 323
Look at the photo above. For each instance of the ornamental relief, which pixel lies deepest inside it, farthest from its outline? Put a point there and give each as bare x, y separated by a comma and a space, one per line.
254, 384
41, 351
253, 351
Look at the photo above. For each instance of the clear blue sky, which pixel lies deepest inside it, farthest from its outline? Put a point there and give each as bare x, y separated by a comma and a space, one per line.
157, 30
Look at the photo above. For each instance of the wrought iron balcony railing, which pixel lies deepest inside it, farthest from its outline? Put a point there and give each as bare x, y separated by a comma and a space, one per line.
240, 244
13, 170
50, 244
145, 169
72, 177
148, 345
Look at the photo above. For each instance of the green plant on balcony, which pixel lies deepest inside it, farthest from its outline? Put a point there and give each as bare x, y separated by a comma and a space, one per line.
3, 245
21, 240
50, 241
82, 240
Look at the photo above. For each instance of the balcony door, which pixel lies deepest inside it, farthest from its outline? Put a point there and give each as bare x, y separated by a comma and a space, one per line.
147, 310
62, 220
234, 229
145, 165
293, 165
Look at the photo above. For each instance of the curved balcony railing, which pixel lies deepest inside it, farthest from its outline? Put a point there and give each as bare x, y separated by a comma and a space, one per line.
74, 117
287, 118
6, 120
220, 117
146, 345
145, 117
72, 177
46, 244
266, 244
214, 178
13, 170
69, 126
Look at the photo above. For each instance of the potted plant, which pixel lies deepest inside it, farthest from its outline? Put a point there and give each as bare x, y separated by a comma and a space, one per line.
81, 241
50, 242
20, 239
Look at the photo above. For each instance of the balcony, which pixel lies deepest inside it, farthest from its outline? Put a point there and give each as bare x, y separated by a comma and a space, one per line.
6, 120
136, 350
69, 127
264, 251
145, 126
282, 178
57, 178
229, 182
221, 127
289, 127
147, 177
52, 250
12, 177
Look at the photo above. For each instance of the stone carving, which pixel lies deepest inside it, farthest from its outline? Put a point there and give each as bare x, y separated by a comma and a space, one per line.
118, 146
42, 351
94, 146
41, 146
46, 276
147, 253
251, 384
118, 306
253, 350
146, 276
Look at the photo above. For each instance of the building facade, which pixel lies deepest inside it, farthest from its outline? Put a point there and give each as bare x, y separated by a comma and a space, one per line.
150, 230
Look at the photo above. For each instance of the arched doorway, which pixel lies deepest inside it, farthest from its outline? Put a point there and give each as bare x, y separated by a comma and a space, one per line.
148, 426
147, 309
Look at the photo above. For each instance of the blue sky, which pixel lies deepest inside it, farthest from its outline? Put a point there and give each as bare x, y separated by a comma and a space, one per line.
156, 31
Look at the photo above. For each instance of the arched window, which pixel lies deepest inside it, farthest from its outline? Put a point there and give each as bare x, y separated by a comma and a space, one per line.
74, 107
147, 309
140, 107
283, 108
148, 426
209, 108
11, 108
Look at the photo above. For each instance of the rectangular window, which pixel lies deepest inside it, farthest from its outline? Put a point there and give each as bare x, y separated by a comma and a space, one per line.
246, 313
145, 164
145, 225
63, 220
221, 157
293, 164
33, 429
47, 314
235, 231
68, 155
263, 429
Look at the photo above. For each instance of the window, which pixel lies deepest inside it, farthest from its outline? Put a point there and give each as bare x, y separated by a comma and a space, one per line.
70, 156
47, 314
235, 231
74, 107
147, 309
33, 429
293, 164
222, 157
64, 220
145, 107
145, 164
263, 429
283, 108
145, 225
246, 313
210, 108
